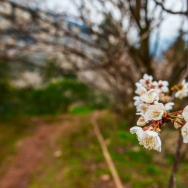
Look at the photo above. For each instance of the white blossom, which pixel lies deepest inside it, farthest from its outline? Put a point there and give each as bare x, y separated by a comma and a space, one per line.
143, 108
146, 81
163, 86
155, 112
138, 131
181, 94
137, 101
184, 133
140, 89
185, 113
142, 121
154, 85
149, 109
150, 96
168, 106
148, 77
184, 90
150, 140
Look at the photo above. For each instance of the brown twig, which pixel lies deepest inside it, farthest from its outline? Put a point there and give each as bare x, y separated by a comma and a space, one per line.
170, 11
106, 153
172, 182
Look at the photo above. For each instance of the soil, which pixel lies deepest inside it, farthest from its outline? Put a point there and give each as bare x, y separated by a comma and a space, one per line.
30, 152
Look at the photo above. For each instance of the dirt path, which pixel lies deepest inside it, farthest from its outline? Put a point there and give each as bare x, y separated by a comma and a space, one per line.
31, 151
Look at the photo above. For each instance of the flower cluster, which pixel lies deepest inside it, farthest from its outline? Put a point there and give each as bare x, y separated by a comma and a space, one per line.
148, 103
153, 105
182, 90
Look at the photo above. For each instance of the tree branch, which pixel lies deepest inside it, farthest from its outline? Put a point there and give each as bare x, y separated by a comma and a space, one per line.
106, 153
170, 11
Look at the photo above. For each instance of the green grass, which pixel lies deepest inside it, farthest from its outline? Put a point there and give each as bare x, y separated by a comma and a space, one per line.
135, 165
81, 110
81, 163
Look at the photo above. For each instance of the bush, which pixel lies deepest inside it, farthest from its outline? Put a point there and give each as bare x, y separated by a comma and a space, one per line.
55, 98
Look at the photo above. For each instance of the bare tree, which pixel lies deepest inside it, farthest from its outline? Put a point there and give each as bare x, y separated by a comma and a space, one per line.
107, 43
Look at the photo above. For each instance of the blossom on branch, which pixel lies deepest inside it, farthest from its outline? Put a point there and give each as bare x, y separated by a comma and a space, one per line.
153, 104
184, 133
155, 112
163, 86
150, 140
142, 121
185, 113
183, 90
150, 96
138, 131
168, 106
178, 121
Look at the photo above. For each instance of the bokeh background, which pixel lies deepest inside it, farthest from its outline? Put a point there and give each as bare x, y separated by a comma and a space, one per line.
63, 61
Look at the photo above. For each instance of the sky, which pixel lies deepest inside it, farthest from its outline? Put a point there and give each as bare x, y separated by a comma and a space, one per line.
169, 26
168, 30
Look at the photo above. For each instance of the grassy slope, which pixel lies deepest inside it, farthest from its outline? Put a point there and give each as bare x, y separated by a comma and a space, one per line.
80, 163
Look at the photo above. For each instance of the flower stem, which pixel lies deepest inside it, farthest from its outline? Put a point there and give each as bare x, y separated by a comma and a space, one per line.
172, 181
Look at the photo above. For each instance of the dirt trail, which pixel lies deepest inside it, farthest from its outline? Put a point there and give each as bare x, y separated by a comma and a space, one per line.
31, 151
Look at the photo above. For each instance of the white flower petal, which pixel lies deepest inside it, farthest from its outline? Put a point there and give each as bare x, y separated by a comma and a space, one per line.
135, 129
155, 112
185, 113
152, 133
184, 133
149, 96
138, 131
141, 121
142, 107
168, 106
140, 89
151, 140
163, 86
184, 91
